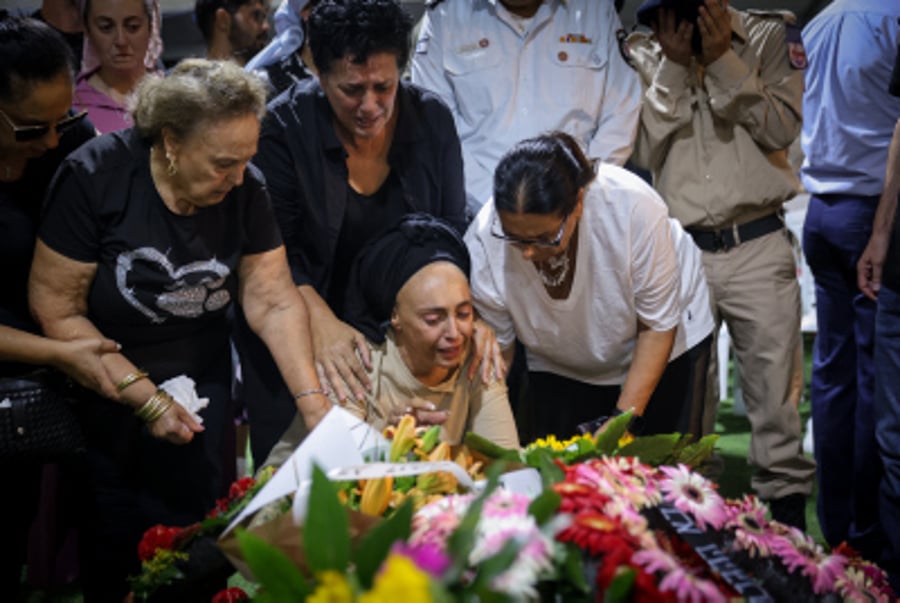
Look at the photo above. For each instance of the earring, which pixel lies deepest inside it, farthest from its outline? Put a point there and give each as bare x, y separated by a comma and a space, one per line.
171, 169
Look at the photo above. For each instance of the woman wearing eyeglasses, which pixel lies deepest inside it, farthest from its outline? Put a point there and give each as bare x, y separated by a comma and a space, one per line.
605, 292
37, 130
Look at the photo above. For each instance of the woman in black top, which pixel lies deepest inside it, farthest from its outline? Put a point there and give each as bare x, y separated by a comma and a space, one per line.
37, 130
344, 157
149, 234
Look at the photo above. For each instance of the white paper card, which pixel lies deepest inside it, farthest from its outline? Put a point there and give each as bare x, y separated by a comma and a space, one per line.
335, 442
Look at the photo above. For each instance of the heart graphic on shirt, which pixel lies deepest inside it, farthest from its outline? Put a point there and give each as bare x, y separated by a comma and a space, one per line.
195, 288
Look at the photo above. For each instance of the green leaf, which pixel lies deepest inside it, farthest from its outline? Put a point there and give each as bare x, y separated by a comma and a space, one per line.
544, 506
573, 568
619, 590
488, 448
652, 449
551, 473
326, 540
275, 572
404, 483
608, 440
693, 455
377, 543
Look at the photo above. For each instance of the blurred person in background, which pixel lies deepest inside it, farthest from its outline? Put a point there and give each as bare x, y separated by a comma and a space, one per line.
233, 29
64, 17
122, 44
287, 58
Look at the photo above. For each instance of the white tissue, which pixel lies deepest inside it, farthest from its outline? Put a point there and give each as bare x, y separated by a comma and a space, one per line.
184, 390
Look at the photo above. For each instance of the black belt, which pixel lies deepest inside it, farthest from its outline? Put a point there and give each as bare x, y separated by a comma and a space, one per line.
726, 238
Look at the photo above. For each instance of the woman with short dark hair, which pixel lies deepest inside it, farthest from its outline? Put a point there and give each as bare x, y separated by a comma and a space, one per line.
344, 157
603, 289
149, 236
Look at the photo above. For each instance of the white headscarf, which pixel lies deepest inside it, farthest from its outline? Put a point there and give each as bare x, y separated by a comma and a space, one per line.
288, 35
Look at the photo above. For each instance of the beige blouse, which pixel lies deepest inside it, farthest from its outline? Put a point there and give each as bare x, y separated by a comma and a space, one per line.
472, 405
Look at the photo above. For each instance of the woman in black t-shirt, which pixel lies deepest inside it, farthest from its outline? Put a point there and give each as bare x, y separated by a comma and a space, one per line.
37, 129
149, 236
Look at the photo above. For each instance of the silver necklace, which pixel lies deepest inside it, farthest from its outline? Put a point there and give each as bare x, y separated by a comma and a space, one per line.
558, 264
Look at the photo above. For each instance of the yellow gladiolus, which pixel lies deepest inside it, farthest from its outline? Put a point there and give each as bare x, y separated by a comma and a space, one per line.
376, 495
441, 482
404, 438
441, 452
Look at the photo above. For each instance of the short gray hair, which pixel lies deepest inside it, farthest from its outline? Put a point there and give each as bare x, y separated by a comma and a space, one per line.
197, 92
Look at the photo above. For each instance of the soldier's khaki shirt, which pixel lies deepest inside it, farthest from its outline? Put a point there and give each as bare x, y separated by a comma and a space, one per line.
716, 141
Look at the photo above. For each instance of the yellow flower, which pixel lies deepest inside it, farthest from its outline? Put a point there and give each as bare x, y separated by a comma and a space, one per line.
332, 588
552, 443
404, 438
626, 439
441, 482
376, 495
399, 580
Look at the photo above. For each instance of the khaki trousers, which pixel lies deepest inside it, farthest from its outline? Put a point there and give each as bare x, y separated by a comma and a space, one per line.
753, 288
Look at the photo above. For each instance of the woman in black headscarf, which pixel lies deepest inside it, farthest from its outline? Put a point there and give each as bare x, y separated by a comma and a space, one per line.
408, 293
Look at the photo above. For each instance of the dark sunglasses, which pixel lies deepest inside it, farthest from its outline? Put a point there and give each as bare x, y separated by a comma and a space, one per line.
29, 133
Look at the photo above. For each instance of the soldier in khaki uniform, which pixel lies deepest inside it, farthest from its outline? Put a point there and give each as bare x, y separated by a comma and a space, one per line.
722, 103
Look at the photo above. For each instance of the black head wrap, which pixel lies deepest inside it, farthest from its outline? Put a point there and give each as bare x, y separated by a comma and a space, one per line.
384, 265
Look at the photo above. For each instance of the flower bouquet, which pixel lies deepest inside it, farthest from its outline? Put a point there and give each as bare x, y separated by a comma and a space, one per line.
184, 563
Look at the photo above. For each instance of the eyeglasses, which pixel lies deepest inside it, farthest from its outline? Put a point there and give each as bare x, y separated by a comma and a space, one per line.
29, 133
497, 231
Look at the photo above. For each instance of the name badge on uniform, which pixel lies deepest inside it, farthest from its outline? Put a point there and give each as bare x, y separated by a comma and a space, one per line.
796, 52
575, 38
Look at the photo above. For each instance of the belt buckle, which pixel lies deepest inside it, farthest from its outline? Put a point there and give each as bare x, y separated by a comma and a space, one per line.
720, 242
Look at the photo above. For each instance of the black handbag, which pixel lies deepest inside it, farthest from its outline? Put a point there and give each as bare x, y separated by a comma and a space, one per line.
37, 421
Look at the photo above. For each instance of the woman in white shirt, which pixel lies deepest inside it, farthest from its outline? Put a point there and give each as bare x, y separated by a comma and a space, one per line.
604, 291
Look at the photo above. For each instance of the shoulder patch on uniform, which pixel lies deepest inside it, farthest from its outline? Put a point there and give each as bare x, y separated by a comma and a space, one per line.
622, 38
796, 52
785, 15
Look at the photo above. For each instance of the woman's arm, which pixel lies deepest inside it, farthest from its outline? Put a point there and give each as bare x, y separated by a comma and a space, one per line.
651, 355
80, 358
276, 312
57, 291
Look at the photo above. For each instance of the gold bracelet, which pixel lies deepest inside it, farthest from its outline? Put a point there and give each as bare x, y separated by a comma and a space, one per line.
309, 392
155, 406
131, 378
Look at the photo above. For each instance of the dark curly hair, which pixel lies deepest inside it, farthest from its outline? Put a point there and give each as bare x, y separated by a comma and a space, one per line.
542, 175
30, 52
358, 29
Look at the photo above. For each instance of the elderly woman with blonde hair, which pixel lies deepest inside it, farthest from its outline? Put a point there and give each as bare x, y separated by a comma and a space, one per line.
149, 236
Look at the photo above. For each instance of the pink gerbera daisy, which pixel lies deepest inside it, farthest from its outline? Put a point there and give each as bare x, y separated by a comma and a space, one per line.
799, 552
751, 535
688, 587
855, 586
692, 493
